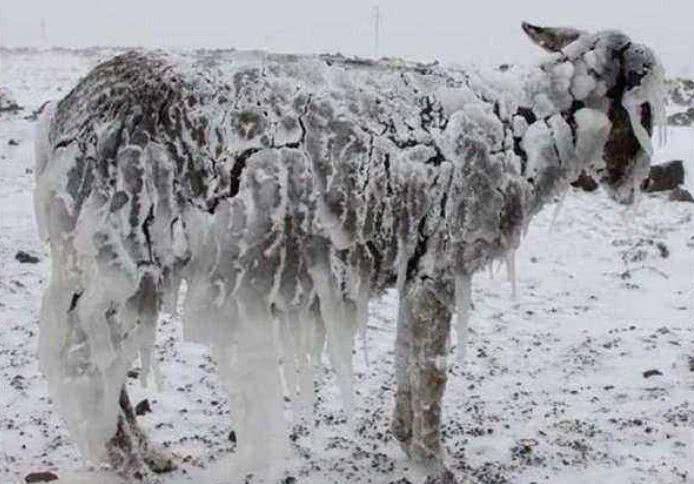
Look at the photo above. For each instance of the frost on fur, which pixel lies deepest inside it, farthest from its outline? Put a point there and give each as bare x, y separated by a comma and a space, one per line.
287, 191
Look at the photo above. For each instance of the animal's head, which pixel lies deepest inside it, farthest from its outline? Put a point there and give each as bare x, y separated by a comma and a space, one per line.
614, 89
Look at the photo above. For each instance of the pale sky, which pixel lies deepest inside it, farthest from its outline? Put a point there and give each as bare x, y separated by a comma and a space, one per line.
450, 30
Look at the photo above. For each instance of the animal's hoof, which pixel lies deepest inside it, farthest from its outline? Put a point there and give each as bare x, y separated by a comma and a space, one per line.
443, 477
159, 462
402, 433
428, 459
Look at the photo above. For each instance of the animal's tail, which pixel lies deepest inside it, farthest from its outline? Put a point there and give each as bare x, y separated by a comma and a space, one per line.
43, 152
42, 146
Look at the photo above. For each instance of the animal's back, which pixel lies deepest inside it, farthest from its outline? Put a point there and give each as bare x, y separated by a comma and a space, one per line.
352, 148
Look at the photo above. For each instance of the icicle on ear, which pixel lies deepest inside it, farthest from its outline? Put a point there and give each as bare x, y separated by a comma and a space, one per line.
552, 39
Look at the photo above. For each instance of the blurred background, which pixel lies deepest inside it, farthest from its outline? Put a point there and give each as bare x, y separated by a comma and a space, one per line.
448, 30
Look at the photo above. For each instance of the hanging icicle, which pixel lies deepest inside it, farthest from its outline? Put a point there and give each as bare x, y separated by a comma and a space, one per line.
511, 272
463, 304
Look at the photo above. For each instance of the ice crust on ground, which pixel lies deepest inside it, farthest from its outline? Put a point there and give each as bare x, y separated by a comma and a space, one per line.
286, 192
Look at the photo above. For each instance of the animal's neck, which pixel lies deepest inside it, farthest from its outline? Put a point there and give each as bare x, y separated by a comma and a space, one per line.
559, 128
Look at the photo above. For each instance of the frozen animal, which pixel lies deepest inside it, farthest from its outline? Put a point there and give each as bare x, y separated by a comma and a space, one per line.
286, 192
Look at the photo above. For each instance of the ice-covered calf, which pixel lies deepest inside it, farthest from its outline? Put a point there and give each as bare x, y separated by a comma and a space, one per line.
286, 191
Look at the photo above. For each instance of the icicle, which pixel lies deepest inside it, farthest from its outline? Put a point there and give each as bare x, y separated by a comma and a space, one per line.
363, 333
557, 209
250, 370
463, 304
341, 325
363, 318
498, 267
145, 365
511, 270
290, 353
299, 344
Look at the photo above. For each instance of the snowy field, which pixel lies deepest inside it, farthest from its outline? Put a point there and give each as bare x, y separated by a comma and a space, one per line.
588, 376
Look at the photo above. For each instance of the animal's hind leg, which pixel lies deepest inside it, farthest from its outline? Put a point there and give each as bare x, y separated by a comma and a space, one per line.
401, 425
422, 343
129, 450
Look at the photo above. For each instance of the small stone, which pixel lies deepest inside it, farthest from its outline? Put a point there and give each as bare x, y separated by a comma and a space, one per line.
44, 476
650, 373
232, 437
134, 374
665, 176
143, 407
26, 258
13, 142
18, 382
680, 194
662, 250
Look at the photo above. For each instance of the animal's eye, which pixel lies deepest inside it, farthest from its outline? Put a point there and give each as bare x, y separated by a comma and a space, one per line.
633, 78
647, 118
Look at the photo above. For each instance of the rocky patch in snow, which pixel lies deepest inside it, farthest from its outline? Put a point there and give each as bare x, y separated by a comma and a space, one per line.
681, 96
7, 104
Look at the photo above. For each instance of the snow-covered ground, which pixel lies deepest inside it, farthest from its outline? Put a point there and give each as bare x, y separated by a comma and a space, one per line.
554, 389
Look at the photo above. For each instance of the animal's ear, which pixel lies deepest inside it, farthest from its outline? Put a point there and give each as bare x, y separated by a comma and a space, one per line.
552, 39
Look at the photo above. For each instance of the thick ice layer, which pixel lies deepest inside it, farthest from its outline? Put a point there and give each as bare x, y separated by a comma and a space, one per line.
463, 304
511, 272
284, 192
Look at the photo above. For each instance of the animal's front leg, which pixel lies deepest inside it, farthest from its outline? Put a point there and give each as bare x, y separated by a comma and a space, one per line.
402, 417
422, 343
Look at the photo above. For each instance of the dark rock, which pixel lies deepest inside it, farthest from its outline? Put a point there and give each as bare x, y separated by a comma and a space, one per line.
18, 382
585, 182
13, 142
44, 476
26, 258
232, 437
134, 374
8, 105
684, 118
650, 373
680, 194
666, 176
143, 408
662, 249
681, 91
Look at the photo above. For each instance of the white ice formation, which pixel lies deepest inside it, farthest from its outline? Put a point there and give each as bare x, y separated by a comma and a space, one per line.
286, 191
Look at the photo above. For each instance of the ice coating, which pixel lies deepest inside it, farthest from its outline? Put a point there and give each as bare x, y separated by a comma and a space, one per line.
287, 191
463, 304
